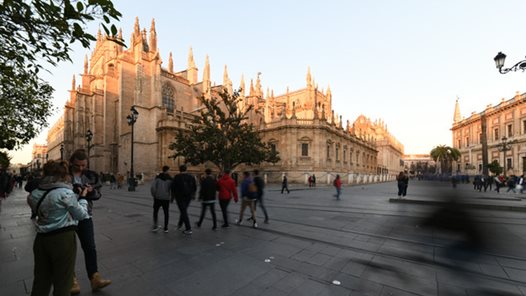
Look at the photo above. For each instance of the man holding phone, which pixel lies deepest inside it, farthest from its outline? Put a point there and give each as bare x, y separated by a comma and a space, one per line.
84, 179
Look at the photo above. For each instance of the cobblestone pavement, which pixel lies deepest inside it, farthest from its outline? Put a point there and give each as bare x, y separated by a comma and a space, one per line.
364, 244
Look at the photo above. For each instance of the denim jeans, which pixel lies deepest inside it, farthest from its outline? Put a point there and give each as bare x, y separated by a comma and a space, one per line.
165, 204
85, 232
224, 209
183, 204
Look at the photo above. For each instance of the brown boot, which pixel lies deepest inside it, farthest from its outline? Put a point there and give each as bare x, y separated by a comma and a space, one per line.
98, 283
75, 289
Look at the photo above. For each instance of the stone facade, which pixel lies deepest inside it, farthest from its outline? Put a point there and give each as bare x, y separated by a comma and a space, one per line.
506, 119
301, 125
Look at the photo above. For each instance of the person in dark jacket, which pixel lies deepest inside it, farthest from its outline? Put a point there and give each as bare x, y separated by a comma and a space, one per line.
402, 182
207, 195
183, 190
285, 185
161, 193
84, 179
260, 184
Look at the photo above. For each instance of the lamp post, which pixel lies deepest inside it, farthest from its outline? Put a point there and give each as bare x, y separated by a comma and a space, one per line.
499, 62
61, 151
505, 146
132, 118
89, 137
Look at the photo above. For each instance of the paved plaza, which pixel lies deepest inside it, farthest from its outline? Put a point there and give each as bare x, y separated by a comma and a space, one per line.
368, 243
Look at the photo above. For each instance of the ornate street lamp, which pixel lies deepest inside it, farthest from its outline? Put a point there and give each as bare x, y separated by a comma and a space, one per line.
499, 62
61, 151
505, 146
132, 118
89, 137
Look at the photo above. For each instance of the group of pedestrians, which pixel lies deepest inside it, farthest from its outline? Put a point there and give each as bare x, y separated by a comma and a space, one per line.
62, 202
182, 188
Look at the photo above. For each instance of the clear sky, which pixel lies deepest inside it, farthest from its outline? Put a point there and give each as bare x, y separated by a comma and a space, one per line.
403, 61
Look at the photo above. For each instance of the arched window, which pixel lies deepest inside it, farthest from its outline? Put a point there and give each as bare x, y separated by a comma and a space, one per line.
168, 93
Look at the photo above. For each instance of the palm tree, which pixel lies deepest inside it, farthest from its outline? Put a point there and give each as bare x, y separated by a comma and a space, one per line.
445, 155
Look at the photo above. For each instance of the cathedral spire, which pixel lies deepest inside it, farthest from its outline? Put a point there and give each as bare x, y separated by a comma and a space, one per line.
191, 69
170, 63
145, 41
86, 65
227, 83
206, 71
136, 28
259, 91
73, 83
242, 86
457, 117
153, 37
251, 93
309, 78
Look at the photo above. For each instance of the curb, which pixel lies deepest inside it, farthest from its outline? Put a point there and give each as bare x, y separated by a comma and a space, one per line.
469, 205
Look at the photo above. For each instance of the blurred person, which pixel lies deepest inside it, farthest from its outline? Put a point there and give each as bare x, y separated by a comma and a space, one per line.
161, 193
248, 198
260, 184
207, 195
285, 185
183, 191
338, 185
82, 177
55, 245
226, 187
403, 183
5, 183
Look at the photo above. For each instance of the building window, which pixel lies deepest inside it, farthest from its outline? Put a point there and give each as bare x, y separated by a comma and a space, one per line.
459, 144
480, 138
304, 149
273, 147
496, 134
168, 98
328, 151
467, 141
337, 153
510, 131
344, 155
524, 126
509, 163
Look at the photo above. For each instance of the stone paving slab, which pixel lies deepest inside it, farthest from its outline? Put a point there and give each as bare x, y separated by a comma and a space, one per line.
368, 244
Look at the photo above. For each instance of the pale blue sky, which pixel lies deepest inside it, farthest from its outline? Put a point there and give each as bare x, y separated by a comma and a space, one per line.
404, 61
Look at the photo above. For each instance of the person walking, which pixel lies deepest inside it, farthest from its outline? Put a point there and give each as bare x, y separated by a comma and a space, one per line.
226, 187
499, 181
84, 178
183, 191
511, 182
248, 198
161, 193
285, 185
403, 182
338, 185
207, 195
313, 180
260, 184
55, 245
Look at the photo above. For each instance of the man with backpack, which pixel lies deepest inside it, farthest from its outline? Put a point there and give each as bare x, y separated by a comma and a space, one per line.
183, 190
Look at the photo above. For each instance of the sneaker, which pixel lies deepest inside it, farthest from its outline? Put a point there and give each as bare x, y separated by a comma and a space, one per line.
239, 222
156, 228
266, 221
225, 226
198, 225
187, 232
166, 230
255, 225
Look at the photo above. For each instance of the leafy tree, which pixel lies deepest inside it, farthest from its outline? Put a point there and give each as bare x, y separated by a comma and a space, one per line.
222, 136
5, 160
35, 34
495, 167
445, 155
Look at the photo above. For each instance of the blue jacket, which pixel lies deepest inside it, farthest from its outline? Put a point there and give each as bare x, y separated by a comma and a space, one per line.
59, 208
